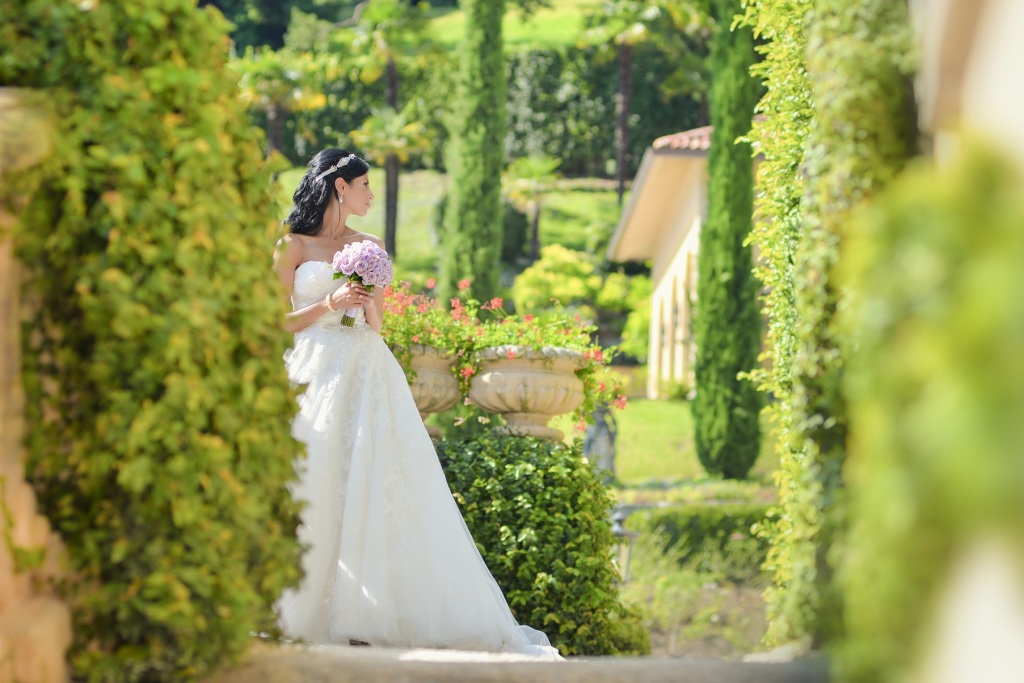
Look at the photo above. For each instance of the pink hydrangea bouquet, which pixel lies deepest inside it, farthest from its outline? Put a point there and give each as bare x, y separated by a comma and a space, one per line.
366, 263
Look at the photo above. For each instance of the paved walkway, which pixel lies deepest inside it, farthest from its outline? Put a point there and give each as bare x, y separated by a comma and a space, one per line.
283, 664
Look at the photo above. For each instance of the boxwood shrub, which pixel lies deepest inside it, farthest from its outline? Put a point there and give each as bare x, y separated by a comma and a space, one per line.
541, 519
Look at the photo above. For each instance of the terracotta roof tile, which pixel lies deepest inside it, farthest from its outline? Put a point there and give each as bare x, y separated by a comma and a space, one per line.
696, 139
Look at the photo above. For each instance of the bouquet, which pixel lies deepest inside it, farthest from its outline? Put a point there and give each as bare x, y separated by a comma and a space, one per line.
366, 263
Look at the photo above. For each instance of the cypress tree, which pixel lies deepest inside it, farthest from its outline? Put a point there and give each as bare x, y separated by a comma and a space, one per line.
472, 234
727, 324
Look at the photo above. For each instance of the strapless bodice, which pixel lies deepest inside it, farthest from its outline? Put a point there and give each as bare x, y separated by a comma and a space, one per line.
314, 280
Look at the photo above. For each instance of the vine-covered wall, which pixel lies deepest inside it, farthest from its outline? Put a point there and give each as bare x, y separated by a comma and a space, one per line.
842, 126
158, 406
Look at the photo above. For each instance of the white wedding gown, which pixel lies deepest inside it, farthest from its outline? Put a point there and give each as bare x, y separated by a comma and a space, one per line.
389, 559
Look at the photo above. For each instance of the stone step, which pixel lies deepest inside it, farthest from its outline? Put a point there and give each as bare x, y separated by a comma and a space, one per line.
337, 664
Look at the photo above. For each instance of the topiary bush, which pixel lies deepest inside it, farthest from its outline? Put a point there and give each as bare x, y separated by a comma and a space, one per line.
540, 516
158, 407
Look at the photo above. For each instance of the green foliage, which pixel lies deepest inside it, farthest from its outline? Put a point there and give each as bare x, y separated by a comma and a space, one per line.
561, 278
936, 391
780, 138
473, 218
561, 102
716, 538
637, 330
727, 323
540, 517
864, 129
157, 402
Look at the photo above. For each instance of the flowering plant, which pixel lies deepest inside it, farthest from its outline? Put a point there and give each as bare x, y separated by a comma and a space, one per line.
459, 331
419, 319
363, 262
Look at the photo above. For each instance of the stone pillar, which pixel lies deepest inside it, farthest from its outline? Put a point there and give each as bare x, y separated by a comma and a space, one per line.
35, 626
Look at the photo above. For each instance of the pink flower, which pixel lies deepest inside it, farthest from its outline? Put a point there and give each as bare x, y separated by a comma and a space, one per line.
416, 338
467, 372
620, 402
496, 302
431, 283
511, 354
528, 318
464, 284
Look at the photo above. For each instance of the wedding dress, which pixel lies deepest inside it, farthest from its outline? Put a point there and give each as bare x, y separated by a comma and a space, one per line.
389, 559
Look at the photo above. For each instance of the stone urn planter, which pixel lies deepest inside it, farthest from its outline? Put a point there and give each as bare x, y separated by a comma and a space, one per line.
435, 390
528, 389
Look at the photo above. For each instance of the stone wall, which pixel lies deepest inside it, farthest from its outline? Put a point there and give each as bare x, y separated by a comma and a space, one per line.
35, 626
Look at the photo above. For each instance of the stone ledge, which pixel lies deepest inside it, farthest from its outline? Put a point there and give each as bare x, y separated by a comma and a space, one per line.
338, 664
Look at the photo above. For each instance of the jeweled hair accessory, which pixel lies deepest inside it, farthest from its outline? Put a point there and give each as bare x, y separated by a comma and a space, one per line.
341, 164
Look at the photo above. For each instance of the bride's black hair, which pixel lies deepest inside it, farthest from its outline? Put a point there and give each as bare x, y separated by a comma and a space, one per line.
314, 192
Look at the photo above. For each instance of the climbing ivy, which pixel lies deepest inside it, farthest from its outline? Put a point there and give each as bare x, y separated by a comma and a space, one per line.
779, 137
158, 406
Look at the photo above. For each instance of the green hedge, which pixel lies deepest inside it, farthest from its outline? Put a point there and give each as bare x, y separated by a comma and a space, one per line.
540, 517
713, 537
936, 394
158, 406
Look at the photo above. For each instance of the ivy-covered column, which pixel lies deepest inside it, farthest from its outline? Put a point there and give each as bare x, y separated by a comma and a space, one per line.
35, 625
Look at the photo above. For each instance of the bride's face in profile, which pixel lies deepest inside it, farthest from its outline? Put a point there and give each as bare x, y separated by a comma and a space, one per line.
357, 194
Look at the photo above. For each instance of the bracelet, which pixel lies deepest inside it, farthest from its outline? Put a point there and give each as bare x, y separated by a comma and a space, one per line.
330, 306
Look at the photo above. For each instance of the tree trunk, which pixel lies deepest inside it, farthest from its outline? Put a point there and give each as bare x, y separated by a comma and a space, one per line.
622, 103
391, 168
275, 128
534, 231
391, 205
391, 84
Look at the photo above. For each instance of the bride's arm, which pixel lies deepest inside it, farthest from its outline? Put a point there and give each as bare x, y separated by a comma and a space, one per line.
287, 258
374, 309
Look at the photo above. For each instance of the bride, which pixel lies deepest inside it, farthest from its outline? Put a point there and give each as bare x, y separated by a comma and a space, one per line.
389, 559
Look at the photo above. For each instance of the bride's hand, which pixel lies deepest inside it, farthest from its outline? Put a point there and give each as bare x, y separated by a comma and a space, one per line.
350, 295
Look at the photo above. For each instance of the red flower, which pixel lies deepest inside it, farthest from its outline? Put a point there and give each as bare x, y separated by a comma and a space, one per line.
511, 354
602, 387
467, 372
416, 339
422, 307
528, 318
431, 283
496, 302
620, 402
464, 284
581, 426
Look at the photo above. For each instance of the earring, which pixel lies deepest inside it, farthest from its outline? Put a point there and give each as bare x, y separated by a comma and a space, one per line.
341, 199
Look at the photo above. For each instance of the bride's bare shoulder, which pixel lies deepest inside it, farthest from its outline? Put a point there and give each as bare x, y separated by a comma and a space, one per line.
289, 249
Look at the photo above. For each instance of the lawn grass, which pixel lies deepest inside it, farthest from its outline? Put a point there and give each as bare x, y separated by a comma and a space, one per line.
654, 446
556, 26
